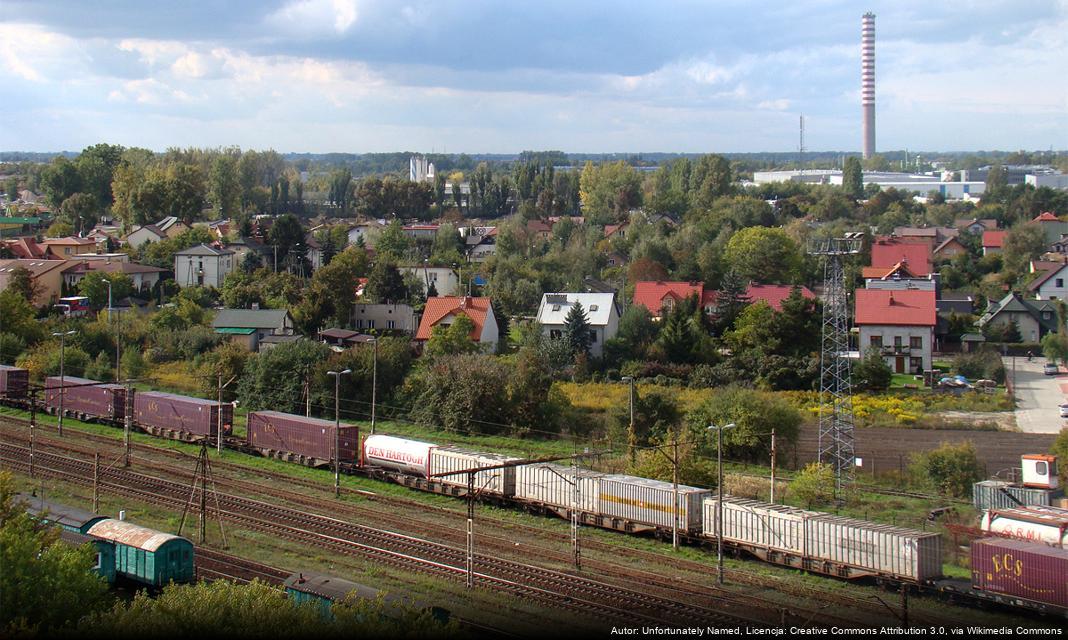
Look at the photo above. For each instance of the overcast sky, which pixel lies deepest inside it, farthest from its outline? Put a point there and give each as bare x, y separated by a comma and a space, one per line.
503, 76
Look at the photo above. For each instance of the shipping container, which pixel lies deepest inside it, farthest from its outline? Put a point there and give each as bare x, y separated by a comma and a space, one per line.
147, 556
310, 438
554, 485
651, 502
399, 454
14, 381
998, 494
851, 547
82, 396
195, 416
1025, 570
1048, 525
499, 482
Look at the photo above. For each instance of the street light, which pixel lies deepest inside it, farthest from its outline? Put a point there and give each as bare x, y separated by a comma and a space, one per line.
337, 429
719, 502
632, 436
62, 335
374, 382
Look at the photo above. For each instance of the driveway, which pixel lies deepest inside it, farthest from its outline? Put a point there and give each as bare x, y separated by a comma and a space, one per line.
1037, 395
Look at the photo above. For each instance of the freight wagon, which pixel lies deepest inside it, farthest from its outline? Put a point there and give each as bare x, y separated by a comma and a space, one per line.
559, 488
14, 382
294, 438
825, 543
496, 482
324, 591
69, 518
427, 461
181, 417
398, 454
145, 556
1048, 525
86, 399
1021, 573
998, 494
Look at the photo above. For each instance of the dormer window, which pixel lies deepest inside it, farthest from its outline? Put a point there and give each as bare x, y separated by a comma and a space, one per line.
593, 307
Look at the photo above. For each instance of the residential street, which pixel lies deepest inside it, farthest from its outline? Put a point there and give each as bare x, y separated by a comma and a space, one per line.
1037, 395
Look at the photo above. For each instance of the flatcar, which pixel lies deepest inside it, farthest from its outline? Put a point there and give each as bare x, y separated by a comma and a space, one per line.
145, 556
324, 591
181, 417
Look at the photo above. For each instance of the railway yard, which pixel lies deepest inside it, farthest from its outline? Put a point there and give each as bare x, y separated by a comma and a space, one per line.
277, 518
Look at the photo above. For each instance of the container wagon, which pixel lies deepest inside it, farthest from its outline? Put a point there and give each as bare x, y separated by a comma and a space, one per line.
496, 482
182, 417
558, 487
1021, 573
86, 398
145, 556
398, 454
14, 382
825, 543
651, 502
1048, 525
309, 441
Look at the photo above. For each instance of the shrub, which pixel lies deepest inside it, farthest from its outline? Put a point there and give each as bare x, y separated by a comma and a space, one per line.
755, 413
1059, 448
951, 469
814, 485
872, 373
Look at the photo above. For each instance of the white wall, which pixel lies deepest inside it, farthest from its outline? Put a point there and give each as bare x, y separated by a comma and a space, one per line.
888, 333
215, 268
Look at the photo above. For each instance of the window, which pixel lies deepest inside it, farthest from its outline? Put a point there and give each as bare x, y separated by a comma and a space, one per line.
1040, 468
392, 325
593, 307
359, 322
370, 324
916, 364
555, 334
897, 342
593, 336
556, 307
916, 342
877, 341
1060, 282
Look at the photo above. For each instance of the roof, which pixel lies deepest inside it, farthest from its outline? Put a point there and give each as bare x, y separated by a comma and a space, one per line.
235, 331
35, 267
1045, 276
439, 308
68, 240
250, 318
651, 294
174, 396
554, 307
538, 226
132, 535
611, 229
339, 334
203, 250
1046, 216
887, 252
945, 243
334, 589
772, 294
994, 239
25, 248
151, 228
59, 513
1013, 303
882, 273
988, 223
115, 267
881, 307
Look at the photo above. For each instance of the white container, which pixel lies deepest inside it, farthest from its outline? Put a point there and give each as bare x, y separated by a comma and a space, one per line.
389, 452
651, 502
554, 485
499, 482
762, 524
1037, 524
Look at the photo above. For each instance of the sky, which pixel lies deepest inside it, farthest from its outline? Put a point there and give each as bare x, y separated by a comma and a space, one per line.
499, 76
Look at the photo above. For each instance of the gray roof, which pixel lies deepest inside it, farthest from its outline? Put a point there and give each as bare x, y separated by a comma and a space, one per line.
250, 318
203, 250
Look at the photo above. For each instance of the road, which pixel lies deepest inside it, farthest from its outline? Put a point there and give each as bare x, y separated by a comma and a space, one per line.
1037, 395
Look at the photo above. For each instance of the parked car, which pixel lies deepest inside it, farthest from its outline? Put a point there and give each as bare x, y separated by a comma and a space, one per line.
1064, 410
1050, 369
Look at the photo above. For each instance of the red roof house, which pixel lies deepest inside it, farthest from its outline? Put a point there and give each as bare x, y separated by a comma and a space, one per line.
772, 294
442, 311
899, 325
885, 307
661, 297
25, 248
888, 252
993, 241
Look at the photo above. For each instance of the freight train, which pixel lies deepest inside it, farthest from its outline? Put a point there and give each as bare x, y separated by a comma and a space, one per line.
778, 534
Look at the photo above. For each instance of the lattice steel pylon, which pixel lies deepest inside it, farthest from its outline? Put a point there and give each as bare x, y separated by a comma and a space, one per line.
836, 387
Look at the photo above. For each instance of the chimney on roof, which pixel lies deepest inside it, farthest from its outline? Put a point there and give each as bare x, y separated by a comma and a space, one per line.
463, 302
891, 298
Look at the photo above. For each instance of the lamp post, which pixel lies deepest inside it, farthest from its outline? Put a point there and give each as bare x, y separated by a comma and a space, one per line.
62, 355
719, 501
632, 436
337, 430
374, 383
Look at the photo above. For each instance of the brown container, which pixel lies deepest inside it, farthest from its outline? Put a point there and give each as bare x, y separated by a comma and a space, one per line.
98, 400
308, 437
14, 382
1027, 570
195, 416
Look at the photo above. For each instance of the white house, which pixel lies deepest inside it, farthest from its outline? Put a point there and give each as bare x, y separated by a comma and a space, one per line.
365, 230
1051, 284
443, 311
146, 233
600, 310
900, 325
446, 281
203, 266
393, 318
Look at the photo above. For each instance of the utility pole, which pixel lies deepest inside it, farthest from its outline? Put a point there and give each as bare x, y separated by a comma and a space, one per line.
470, 529
96, 482
772, 500
337, 429
219, 408
33, 426
675, 491
62, 335
374, 383
126, 423
719, 500
576, 554
632, 435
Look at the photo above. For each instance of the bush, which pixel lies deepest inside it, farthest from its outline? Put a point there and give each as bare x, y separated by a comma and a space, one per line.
44, 359
1059, 448
983, 363
814, 485
872, 373
951, 469
755, 413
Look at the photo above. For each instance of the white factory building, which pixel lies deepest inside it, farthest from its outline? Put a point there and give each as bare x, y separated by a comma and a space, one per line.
918, 183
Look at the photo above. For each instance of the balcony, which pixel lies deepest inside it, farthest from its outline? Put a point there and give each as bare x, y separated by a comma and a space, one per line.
890, 350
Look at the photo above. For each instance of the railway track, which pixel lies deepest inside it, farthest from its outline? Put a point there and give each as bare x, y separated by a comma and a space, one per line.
553, 588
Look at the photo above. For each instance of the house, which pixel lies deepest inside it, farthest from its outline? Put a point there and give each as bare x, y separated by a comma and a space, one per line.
420, 231
385, 318
616, 230
203, 266
1060, 246
341, 339
948, 249
480, 243
65, 248
144, 277
171, 226
900, 325
771, 294
445, 281
45, 274
661, 297
442, 311
1050, 283
251, 326
975, 226
143, 234
601, 312
1052, 226
993, 242
313, 252
539, 229
616, 259
365, 231
1035, 318
899, 277
24, 248
889, 251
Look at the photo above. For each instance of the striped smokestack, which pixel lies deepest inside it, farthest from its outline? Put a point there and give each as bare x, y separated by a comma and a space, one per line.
867, 81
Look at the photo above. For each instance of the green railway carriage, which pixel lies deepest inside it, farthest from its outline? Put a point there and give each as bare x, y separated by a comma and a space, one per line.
70, 518
146, 556
105, 552
324, 591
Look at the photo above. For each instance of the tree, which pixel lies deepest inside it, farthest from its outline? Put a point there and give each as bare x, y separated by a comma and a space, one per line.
755, 413
288, 236
814, 485
340, 189
656, 415
1059, 448
951, 469
338, 280
609, 190
1023, 244
731, 299
224, 186
452, 339
186, 192
872, 373
853, 178
22, 282
11, 188
764, 255
275, 378
95, 286
45, 584
464, 393
80, 209
385, 283
18, 318
60, 180
577, 330
392, 241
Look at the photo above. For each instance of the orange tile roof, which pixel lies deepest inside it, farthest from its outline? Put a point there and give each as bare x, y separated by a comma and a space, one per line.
994, 239
882, 307
887, 252
651, 294
439, 308
772, 294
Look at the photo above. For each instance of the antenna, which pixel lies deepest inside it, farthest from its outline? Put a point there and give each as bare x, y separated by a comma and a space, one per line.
801, 146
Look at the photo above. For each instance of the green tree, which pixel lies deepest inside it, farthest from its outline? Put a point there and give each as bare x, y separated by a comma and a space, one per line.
21, 282
288, 236
80, 209
731, 300
764, 255
338, 281
951, 469
466, 393
186, 192
609, 190
1059, 448
60, 180
45, 585
275, 378
1024, 243
872, 373
814, 485
385, 283
95, 286
452, 339
18, 318
577, 329
853, 178
392, 241
224, 186
11, 188
755, 413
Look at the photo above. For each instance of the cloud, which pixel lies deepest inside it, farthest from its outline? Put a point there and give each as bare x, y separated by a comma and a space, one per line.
306, 18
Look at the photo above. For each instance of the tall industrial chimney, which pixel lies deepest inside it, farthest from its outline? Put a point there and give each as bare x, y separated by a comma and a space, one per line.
867, 81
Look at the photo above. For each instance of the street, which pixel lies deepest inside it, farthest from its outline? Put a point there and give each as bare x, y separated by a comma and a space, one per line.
1037, 395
